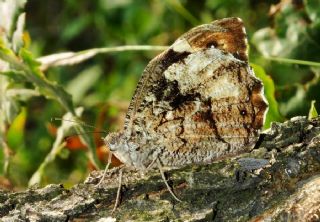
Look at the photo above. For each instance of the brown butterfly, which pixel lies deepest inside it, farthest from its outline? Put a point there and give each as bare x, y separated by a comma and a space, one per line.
196, 102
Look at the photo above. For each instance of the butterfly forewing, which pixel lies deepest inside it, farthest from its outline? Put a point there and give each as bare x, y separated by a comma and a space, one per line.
197, 101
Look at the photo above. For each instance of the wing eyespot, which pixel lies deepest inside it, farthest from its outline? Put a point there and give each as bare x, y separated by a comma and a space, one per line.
243, 112
213, 44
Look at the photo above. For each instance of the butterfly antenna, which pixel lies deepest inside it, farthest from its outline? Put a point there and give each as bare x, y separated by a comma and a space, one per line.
85, 133
74, 121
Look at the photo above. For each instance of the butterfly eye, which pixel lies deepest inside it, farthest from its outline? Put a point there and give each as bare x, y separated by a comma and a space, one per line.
112, 146
112, 140
243, 112
212, 44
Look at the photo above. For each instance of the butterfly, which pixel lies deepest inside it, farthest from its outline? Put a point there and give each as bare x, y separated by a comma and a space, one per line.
196, 102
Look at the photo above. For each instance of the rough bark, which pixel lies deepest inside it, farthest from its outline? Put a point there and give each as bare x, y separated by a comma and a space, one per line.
278, 181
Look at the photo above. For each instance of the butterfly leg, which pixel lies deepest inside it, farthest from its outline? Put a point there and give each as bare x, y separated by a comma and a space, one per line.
118, 192
151, 164
120, 182
166, 182
105, 169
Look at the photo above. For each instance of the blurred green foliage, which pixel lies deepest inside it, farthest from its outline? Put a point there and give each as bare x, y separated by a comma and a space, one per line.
294, 34
33, 148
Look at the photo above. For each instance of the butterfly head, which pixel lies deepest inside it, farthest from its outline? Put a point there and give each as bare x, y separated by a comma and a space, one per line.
113, 140
120, 147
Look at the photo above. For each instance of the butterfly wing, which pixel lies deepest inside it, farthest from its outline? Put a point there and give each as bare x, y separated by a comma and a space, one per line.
199, 100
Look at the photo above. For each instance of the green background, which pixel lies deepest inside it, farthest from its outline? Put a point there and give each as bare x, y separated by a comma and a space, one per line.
104, 84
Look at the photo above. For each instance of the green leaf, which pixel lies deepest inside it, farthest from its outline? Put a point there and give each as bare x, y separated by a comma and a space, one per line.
16, 76
30, 67
16, 131
313, 111
269, 90
9, 109
83, 82
33, 64
291, 43
75, 27
5, 50
295, 99
312, 8
291, 36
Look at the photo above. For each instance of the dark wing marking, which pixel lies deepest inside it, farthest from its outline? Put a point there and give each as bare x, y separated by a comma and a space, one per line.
227, 35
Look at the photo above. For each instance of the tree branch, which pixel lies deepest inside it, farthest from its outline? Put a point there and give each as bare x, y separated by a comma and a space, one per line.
278, 181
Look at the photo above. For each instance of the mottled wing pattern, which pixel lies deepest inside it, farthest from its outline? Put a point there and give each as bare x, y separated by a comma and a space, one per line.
199, 100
